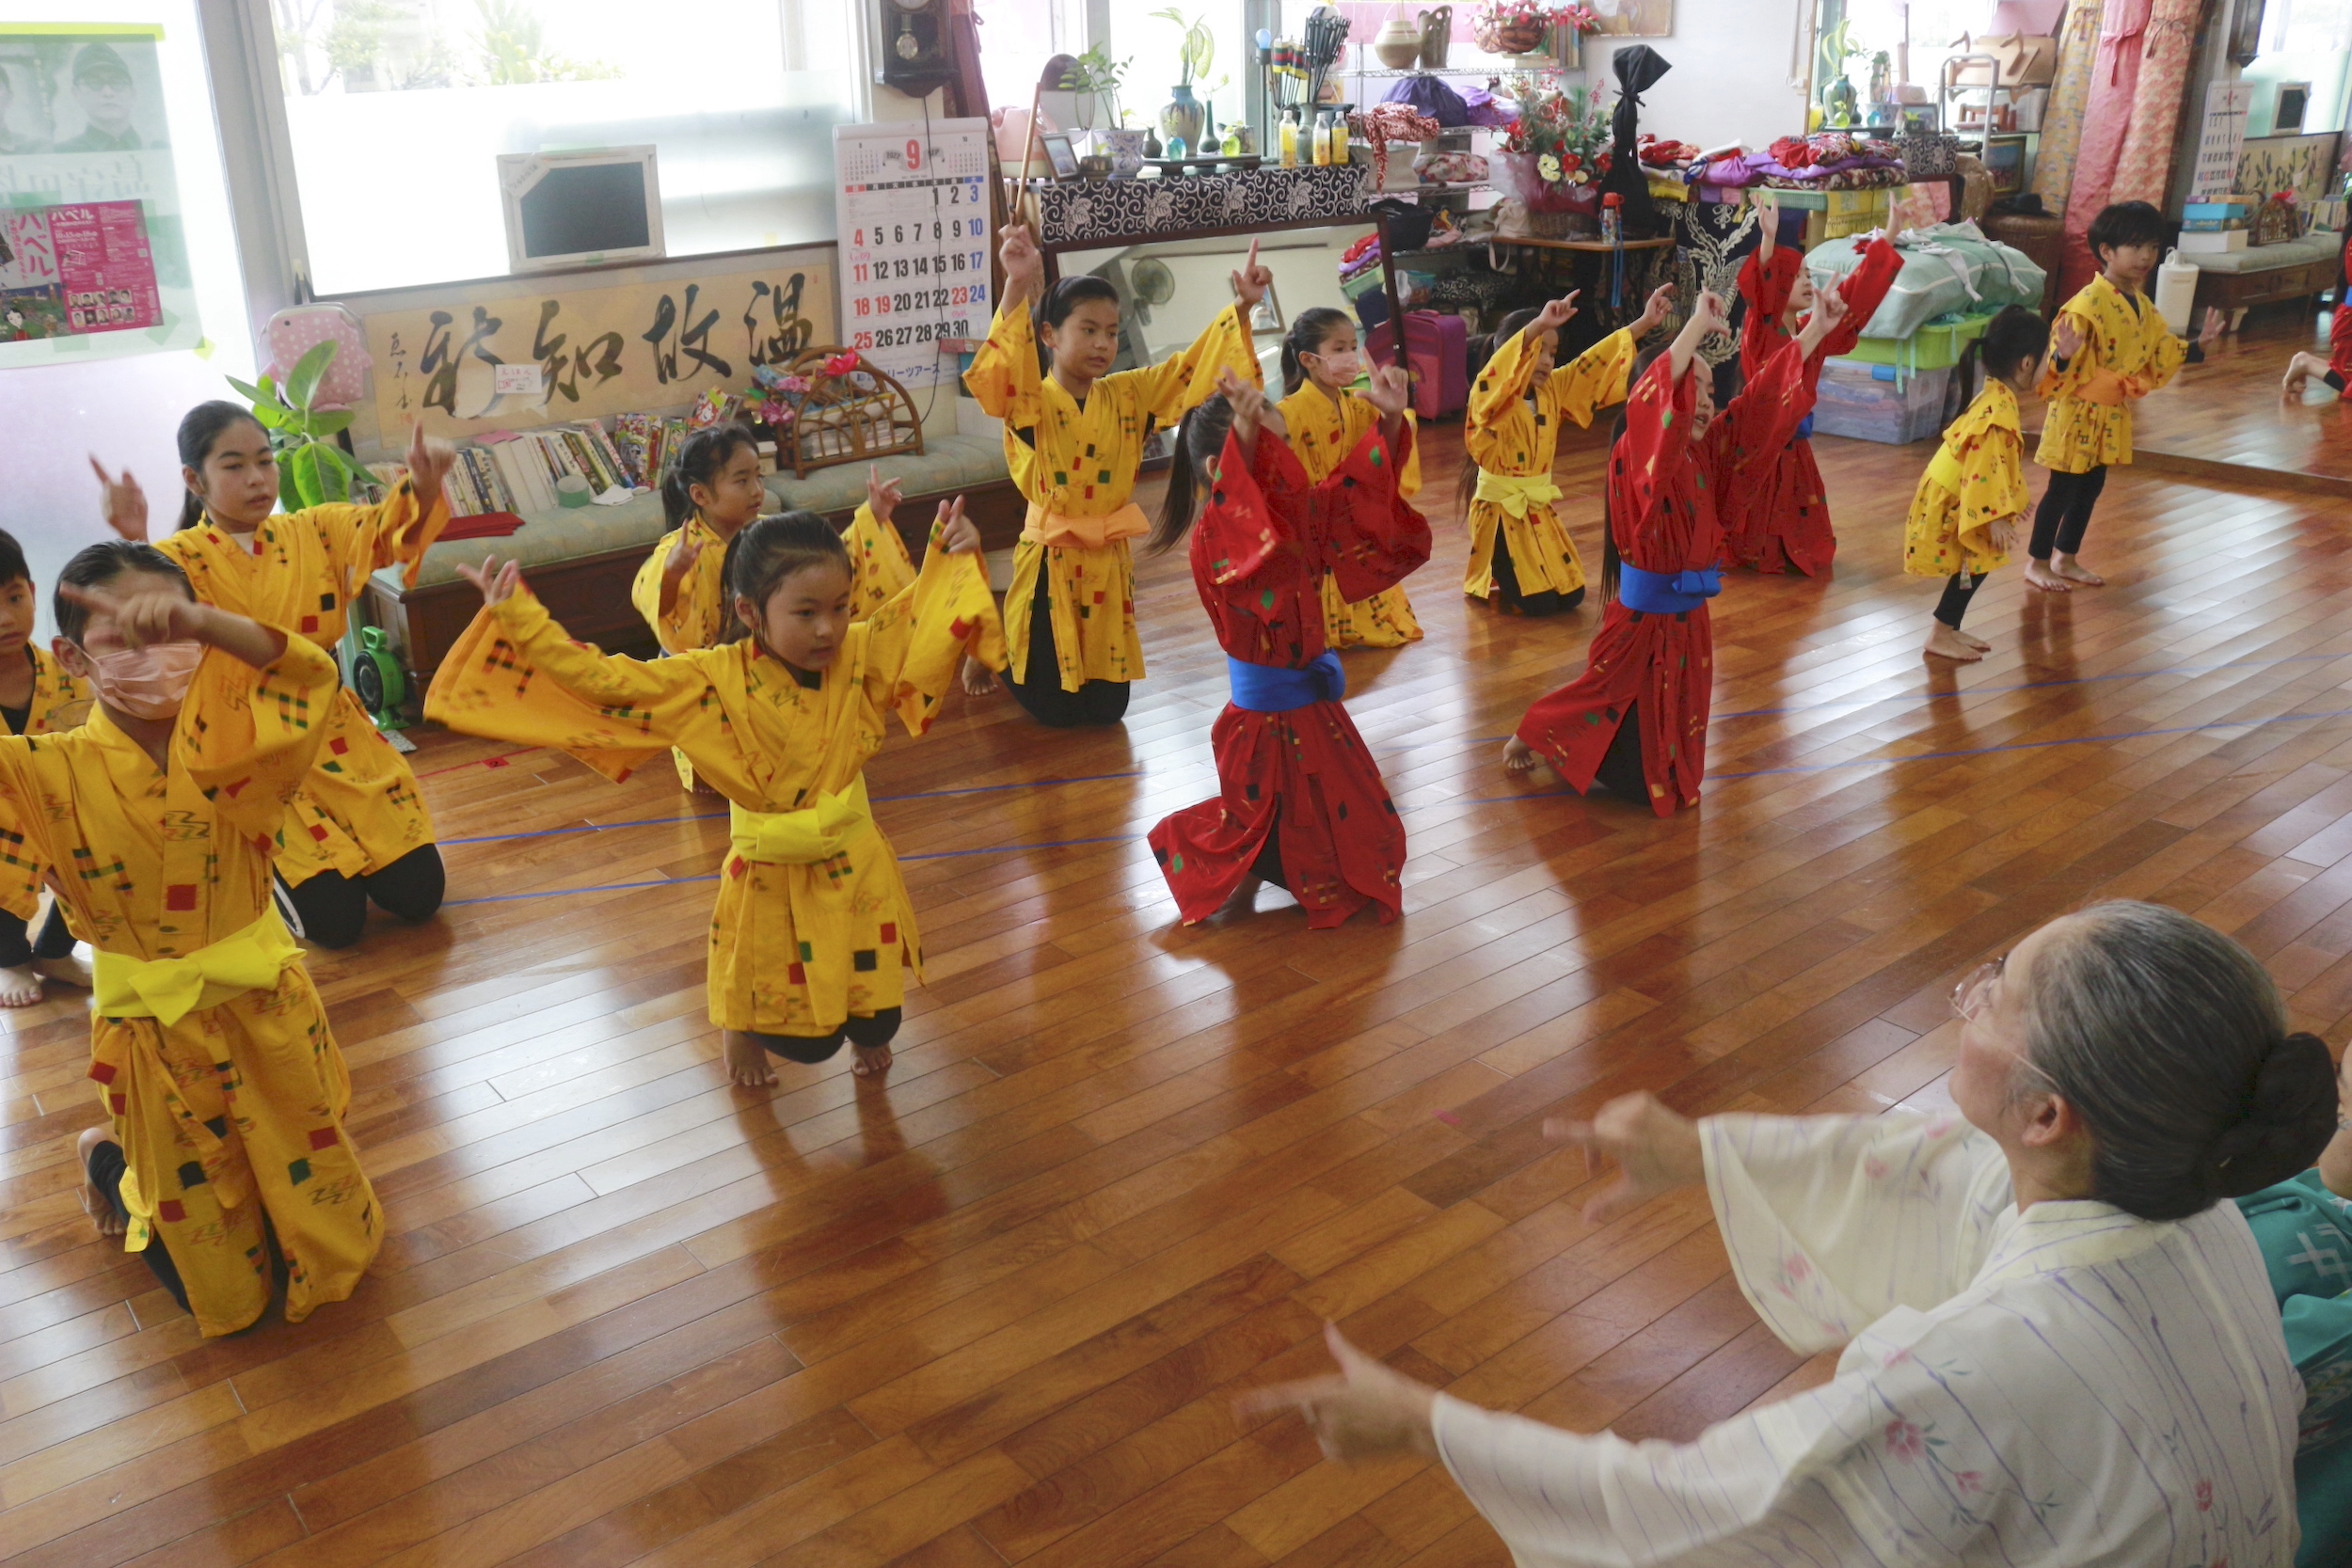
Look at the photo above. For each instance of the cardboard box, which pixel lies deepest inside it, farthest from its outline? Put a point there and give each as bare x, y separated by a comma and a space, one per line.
2218, 243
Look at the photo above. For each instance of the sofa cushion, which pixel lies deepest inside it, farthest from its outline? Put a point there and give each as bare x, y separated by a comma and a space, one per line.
2320, 244
948, 463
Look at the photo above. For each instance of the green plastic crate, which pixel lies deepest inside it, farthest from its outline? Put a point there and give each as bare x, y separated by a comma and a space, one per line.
1937, 346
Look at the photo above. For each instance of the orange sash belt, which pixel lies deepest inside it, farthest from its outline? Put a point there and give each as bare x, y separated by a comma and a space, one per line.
1087, 533
2105, 388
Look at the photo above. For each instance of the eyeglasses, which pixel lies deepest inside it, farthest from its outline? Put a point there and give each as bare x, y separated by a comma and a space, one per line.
1975, 990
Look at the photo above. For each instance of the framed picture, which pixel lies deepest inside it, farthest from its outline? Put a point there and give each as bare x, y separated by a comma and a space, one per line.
1060, 155
2294, 101
1265, 317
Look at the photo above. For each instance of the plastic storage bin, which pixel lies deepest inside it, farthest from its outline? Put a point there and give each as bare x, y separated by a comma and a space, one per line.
1870, 402
1937, 346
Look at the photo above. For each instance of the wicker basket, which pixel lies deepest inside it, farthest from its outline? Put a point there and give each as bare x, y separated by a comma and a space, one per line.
1498, 37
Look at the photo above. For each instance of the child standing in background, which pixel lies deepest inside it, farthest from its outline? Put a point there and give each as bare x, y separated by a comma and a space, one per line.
1780, 517
38, 696
2126, 353
1326, 421
711, 492
1073, 439
1963, 516
1520, 556
359, 832
223, 1086
813, 928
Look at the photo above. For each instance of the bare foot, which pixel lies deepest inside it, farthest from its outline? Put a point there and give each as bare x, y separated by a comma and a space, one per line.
1518, 757
72, 969
2300, 369
749, 1065
869, 1061
96, 1204
19, 987
2038, 575
2075, 571
1943, 642
1977, 642
978, 679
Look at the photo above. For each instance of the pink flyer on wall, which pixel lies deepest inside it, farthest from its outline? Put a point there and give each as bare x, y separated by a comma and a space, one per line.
105, 268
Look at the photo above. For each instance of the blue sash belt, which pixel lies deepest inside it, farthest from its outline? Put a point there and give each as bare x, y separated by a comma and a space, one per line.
1666, 593
1805, 429
1263, 689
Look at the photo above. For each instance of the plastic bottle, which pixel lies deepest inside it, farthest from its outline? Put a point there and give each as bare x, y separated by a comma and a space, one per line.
1290, 138
1323, 139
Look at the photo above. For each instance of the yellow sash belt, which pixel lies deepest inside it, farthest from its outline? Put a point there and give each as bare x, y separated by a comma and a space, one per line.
802, 837
2106, 389
1090, 533
1516, 493
1944, 470
167, 990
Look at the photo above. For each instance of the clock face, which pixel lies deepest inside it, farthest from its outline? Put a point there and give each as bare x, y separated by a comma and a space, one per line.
908, 45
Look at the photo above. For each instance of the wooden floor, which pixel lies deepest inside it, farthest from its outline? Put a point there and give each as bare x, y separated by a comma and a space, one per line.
995, 1311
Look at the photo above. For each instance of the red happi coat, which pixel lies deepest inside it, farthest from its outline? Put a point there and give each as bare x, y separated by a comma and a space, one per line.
1258, 554
1780, 517
1662, 501
2340, 326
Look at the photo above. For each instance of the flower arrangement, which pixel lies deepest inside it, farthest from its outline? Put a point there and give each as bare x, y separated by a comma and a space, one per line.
1517, 26
1567, 131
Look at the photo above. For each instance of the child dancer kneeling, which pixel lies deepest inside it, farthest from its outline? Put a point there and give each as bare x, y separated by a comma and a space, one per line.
38, 696
1327, 423
1963, 516
2125, 354
1299, 802
2336, 368
1520, 556
813, 925
1636, 719
155, 823
1073, 439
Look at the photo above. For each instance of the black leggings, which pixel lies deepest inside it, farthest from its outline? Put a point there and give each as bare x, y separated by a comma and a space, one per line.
2065, 512
809, 1050
333, 907
1620, 771
1544, 602
1095, 703
1957, 592
54, 941
107, 1167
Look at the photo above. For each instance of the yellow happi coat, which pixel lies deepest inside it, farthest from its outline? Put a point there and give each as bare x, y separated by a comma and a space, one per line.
1079, 461
360, 809
1512, 437
2127, 352
879, 569
231, 1112
796, 948
1322, 434
1977, 478
60, 701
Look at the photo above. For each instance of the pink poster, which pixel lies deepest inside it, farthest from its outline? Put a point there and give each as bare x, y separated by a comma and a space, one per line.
104, 269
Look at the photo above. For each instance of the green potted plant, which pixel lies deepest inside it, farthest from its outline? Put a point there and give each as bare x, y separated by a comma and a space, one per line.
312, 468
1195, 52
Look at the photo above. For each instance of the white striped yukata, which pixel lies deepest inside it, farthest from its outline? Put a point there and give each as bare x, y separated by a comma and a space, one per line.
2067, 1386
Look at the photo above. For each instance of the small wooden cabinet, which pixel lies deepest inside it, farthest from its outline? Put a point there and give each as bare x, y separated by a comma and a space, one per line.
2235, 291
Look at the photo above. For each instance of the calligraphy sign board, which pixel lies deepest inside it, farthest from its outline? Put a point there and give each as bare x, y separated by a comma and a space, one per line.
912, 206
642, 345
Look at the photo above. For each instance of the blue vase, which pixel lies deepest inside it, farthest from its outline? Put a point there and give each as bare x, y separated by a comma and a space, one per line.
1181, 117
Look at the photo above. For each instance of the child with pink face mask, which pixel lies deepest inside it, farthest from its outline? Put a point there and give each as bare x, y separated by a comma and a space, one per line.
1327, 420
154, 823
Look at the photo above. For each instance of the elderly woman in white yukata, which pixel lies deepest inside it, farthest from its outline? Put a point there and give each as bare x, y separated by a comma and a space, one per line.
2060, 1346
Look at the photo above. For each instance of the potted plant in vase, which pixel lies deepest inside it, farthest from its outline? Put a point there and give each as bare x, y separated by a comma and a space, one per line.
1195, 52
1553, 155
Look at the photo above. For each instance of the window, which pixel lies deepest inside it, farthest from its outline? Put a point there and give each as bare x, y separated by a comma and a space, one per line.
397, 111
1017, 38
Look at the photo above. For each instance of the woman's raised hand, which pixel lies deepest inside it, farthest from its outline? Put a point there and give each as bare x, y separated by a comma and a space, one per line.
1655, 1152
497, 583
123, 503
1392, 389
1367, 1410
957, 535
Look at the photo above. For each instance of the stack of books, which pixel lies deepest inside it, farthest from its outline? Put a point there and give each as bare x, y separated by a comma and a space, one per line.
2217, 227
645, 442
475, 486
528, 465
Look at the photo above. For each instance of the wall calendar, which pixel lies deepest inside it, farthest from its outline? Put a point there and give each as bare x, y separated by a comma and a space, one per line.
913, 205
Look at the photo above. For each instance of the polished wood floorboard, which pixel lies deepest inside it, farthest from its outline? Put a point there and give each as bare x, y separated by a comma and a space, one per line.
995, 1310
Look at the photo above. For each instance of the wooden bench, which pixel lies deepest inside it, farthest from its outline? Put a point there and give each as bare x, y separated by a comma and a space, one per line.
2235, 282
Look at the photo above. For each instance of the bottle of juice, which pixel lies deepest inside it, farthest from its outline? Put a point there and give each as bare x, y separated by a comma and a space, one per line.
1290, 138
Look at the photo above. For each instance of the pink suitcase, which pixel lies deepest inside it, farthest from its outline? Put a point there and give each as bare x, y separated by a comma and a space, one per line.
1437, 350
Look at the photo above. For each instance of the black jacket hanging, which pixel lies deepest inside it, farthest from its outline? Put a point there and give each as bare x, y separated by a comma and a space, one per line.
1637, 67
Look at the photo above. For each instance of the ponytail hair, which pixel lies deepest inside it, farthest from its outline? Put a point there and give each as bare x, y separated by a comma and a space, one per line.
1199, 441
767, 551
698, 462
2013, 337
1310, 328
200, 429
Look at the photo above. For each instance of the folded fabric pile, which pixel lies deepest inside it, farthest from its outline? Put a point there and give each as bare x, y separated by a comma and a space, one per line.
1665, 152
1824, 161
1452, 168
1361, 256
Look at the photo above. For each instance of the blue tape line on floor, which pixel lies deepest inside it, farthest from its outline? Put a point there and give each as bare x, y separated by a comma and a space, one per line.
689, 881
